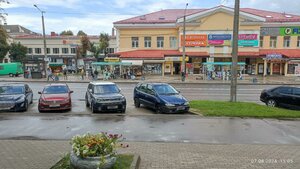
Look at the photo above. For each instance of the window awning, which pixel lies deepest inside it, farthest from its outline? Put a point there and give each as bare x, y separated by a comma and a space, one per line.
55, 64
134, 62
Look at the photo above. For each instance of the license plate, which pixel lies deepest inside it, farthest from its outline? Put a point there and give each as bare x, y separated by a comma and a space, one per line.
112, 107
181, 108
54, 105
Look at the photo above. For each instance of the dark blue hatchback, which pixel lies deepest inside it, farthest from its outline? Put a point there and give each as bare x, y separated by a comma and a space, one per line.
160, 96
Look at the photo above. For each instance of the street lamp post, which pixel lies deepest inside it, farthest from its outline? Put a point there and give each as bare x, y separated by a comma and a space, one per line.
183, 73
44, 37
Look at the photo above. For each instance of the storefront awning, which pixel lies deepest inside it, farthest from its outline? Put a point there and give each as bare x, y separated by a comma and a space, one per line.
154, 61
222, 63
134, 62
109, 63
289, 53
56, 64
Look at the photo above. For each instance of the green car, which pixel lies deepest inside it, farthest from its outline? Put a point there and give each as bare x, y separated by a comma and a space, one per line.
11, 69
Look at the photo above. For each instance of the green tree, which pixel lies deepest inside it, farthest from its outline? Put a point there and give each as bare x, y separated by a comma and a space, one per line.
4, 47
17, 52
67, 33
95, 49
85, 45
81, 33
104, 42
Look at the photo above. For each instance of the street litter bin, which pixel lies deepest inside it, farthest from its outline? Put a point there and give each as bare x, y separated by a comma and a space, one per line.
36, 75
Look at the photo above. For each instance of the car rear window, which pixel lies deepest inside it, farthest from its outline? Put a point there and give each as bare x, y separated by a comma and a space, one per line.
55, 89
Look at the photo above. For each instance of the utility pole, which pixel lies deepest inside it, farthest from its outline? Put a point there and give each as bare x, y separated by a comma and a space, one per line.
233, 88
45, 46
183, 72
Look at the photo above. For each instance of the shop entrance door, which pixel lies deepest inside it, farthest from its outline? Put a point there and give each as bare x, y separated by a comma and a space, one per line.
176, 68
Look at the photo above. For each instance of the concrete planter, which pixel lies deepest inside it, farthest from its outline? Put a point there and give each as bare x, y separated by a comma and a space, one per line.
91, 162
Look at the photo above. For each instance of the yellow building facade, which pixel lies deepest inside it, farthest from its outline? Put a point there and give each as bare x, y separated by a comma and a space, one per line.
266, 46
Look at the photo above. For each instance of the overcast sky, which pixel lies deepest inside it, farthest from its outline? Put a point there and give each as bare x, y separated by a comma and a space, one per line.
96, 16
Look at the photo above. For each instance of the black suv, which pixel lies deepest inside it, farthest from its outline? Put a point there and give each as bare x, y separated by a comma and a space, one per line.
105, 96
283, 96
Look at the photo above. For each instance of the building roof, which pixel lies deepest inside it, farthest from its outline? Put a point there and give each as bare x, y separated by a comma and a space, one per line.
18, 30
289, 53
171, 16
53, 37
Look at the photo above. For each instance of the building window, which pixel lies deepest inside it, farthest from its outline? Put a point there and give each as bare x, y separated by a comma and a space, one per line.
147, 42
65, 50
73, 50
173, 42
261, 41
273, 42
160, 42
110, 50
286, 42
298, 42
48, 50
55, 50
29, 50
291, 68
37, 50
135, 42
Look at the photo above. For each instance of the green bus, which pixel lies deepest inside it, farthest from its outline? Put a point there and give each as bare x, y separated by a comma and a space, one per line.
11, 69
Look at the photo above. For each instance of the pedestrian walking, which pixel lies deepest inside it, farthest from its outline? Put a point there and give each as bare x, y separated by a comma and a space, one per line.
50, 74
65, 74
96, 74
82, 74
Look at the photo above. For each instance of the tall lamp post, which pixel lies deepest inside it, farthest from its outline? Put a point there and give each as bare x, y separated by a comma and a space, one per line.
183, 73
45, 47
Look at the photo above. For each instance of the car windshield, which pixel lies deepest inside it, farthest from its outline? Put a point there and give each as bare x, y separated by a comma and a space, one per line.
165, 90
11, 90
55, 89
104, 89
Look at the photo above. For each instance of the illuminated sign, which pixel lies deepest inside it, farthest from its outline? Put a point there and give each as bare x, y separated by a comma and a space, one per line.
290, 31
247, 36
110, 59
194, 40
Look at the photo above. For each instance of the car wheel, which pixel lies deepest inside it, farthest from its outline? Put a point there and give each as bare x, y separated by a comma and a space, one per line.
31, 101
41, 111
157, 109
87, 104
271, 103
93, 108
26, 105
11, 75
137, 103
123, 110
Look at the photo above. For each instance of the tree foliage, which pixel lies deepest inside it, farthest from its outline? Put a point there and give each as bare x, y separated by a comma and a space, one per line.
81, 33
17, 52
4, 47
104, 42
85, 45
95, 49
67, 33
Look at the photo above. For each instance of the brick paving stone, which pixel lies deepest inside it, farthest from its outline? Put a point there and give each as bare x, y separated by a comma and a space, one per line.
42, 154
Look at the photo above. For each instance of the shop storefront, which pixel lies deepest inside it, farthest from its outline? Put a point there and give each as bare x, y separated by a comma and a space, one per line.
109, 69
221, 70
135, 67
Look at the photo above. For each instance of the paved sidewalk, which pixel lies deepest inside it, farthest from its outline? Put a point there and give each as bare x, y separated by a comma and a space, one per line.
171, 79
32, 154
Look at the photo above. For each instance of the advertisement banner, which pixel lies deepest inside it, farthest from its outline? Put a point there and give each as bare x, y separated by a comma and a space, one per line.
219, 37
194, 40
290, 31
269, 31
219, 42
248, 43
247, 36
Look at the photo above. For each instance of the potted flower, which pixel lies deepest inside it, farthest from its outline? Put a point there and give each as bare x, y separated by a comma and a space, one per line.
94, 151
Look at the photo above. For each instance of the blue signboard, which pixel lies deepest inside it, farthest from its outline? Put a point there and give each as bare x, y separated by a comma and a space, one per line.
248, 43
219, 37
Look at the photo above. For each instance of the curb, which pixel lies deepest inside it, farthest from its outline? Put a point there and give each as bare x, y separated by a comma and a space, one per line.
136, 162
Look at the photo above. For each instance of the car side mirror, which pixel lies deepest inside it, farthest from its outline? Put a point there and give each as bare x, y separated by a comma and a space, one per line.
71, 91
178, 91
39, 92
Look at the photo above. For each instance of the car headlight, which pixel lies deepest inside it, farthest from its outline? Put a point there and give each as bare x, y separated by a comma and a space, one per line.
20, 100
99, 100
186, 103
123, 98
169, 105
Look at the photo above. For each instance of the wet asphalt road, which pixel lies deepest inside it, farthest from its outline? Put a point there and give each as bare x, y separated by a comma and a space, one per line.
142, 124
165, 128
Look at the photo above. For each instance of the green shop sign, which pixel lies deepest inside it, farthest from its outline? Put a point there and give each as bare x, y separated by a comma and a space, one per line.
248, 43
290, 31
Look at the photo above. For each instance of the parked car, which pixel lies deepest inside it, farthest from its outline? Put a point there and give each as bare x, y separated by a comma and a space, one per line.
55, 97
160, 96
283, 96
11, 69
105, 96
15, 97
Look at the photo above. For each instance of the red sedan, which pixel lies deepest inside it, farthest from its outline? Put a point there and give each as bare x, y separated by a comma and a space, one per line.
55, 97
